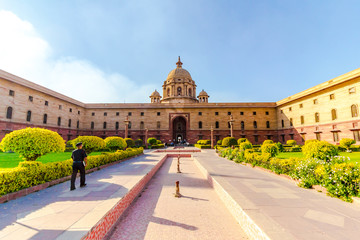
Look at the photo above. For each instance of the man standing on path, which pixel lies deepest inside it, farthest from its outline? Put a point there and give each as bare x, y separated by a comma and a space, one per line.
80, 160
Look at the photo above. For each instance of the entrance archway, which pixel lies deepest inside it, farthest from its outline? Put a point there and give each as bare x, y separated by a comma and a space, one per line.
179, 129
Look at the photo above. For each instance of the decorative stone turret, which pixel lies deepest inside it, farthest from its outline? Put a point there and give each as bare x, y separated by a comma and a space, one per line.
203, 97
155, 97
179, 86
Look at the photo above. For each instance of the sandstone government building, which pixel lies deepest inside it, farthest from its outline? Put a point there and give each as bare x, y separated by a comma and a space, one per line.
328, 111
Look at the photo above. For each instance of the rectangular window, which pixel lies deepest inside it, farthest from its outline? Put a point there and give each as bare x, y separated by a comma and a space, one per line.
46, 103
117, 113
70, 109
229, 113
266, 113
332, 96
11, 93
290, 109
336, 136
256, 138
357, 135
129, 113
60, 107
254, 113
158, 113
292, 136
283, 138
318, 137
241, 113
158, 124
200, 113
142, 114
105, 114
301, 105
31, 98
78, 112
303, 137
216, 113
352, 90
315, 101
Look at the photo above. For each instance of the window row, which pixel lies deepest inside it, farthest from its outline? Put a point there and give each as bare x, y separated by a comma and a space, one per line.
129, 125
242, 124
354, 113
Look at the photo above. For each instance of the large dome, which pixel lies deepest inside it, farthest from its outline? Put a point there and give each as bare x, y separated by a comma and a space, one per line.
179, 72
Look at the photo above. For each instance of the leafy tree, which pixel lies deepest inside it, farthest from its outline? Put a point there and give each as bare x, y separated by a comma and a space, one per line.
130, 143
90, 143
151, 141
291, 142
346, 143
32, 143
115, 143
229, 141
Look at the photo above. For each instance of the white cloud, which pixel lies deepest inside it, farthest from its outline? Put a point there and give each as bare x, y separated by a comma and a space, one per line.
26, 54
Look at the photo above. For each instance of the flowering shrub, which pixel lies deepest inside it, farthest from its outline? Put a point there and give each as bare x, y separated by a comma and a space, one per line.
320, 150
241, 140
270, 148
32, 143
245, 145
229, 141
268, 142
305, 172
346, 143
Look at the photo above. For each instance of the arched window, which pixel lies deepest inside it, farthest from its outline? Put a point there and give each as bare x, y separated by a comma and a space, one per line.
45, 118
302, 120
158, 124
59, 121
9, 113
141, 125
69, 124
354, 110
242, 125
92, 125
168, 92
104, 125
317, 117
200, 124
129, 126
291, 122
216, 124
190, 92
282, 123
28, 116
333, 114
267, 124
255, 124
117, 125
179, 91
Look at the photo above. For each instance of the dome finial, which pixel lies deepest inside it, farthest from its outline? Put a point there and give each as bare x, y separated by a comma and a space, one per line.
179, 63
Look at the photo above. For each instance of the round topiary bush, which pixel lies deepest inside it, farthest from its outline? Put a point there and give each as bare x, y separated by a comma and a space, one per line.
319, 149
245, 145
280, 146
151, 141
268, 142
229, 141
139, 143
291, 142
90, 143
346, 143
115, 143
129, 142
32, 143
270, 149
241, 140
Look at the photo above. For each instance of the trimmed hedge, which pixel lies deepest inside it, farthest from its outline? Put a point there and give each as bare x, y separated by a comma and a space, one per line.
201, 146
29, 174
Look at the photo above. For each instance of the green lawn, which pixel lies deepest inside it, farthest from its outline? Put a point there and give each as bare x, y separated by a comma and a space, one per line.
354, 156
11, 160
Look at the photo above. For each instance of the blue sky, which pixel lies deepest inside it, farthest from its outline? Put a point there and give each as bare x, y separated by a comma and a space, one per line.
238, 51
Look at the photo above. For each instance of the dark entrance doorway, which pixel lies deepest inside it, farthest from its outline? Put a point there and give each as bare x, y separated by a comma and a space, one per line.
179, 129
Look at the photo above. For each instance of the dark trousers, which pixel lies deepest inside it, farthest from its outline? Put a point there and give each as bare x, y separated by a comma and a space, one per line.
78, 166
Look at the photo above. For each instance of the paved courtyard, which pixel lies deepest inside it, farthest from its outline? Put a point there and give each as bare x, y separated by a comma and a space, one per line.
221, 200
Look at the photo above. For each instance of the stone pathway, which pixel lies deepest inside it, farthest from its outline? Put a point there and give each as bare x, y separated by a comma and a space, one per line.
198, 214
57, 213
281, 209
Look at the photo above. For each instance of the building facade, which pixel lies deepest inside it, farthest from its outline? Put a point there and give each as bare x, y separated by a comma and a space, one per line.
328, 111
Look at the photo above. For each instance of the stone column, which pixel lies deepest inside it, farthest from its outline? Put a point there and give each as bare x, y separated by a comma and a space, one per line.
126, 126
212, 137
231, 121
